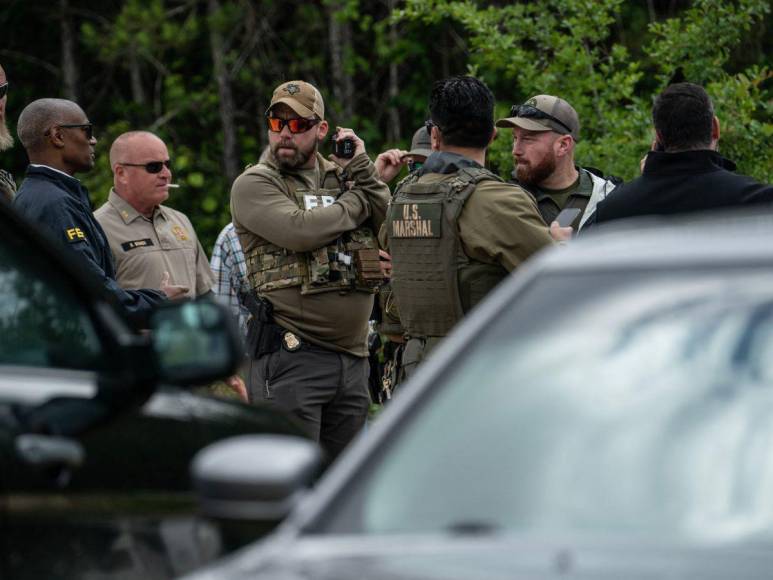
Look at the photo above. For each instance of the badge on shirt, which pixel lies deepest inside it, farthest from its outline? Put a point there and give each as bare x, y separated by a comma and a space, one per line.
312, 201
74, 235
136, 244
179, 233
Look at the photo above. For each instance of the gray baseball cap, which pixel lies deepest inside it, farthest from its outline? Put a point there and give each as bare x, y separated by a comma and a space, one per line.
544, 113
421, 144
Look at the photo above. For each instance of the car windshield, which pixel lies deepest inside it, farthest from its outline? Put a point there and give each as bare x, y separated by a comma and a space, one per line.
595, 403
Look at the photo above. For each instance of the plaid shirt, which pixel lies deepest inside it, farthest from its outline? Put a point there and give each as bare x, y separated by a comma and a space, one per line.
230, 273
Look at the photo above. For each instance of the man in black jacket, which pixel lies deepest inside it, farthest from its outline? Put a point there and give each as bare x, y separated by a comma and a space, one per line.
683, 173
60, 142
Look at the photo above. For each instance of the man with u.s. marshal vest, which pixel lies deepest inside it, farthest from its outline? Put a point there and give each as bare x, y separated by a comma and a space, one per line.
307, 227
454, 228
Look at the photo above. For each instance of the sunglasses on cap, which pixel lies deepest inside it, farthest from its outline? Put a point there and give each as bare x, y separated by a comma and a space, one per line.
3, 90
530, 112
296, 125
151, 166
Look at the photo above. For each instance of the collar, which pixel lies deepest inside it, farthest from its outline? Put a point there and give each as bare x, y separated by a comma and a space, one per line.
700, 161
126, 211
64, 181
445, 162
59, 171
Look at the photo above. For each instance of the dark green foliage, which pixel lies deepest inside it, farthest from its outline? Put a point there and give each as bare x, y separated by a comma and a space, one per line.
148, 64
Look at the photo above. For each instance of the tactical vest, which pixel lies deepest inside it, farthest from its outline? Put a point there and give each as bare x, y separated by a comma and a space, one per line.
350, 262
433, 279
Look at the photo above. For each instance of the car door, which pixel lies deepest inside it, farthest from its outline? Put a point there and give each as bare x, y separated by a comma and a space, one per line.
93, 476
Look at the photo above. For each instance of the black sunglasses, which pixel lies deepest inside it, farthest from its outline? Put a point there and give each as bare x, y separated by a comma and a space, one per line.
530, 112
87, 128
429, 123
3, 90
151, 166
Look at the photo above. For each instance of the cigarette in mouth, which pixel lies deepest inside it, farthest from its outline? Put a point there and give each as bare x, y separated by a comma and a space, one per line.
173, 185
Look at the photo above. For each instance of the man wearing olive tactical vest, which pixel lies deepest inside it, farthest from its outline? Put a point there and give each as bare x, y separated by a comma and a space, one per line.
454, 228
306, 226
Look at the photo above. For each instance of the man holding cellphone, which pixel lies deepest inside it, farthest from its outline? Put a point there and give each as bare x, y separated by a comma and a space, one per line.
545, 131
307, 227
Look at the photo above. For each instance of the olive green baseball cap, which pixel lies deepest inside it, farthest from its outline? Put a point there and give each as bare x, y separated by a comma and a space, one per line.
544, 113
301, 97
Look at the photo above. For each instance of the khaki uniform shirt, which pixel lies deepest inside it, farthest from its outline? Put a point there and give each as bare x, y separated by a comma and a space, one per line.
143, 249
262, 209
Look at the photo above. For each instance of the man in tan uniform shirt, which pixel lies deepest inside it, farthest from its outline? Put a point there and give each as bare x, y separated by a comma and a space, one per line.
305, 224
147, 238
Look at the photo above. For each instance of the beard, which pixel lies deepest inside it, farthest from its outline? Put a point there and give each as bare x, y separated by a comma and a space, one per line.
295, 160
6, 139
536, 174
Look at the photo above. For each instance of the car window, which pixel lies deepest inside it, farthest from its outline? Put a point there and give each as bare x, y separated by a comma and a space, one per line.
594, 404
42, 324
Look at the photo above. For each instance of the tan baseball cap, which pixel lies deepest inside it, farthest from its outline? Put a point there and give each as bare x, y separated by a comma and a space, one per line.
421, 144
301, 97
544, 113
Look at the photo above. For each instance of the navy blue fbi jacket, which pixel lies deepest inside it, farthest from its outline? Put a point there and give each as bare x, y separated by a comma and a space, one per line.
61, 204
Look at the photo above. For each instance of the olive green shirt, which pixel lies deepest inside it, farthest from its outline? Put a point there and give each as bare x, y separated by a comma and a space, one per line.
263, 208
551, 201
143, 248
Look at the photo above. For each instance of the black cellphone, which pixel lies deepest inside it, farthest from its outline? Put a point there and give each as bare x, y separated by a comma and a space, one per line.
343, 148
567, 216
659, 146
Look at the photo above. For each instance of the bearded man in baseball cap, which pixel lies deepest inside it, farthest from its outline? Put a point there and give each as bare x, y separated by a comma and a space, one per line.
307, 226
545, 131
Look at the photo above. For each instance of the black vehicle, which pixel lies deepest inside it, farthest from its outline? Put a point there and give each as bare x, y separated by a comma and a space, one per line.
607, 413
94, 457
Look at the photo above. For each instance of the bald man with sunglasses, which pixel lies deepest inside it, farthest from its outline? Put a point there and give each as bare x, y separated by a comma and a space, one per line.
146, 237
307, 227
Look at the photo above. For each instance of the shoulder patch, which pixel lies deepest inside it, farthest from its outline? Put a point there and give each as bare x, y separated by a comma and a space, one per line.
136, 244
179, 233
74, 235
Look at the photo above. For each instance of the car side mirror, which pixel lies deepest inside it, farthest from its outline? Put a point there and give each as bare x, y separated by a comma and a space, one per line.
257, 478
195, 342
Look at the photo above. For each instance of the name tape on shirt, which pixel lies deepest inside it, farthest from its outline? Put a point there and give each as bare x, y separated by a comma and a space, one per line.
74, 235
136, 244
312, 201
415, 220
